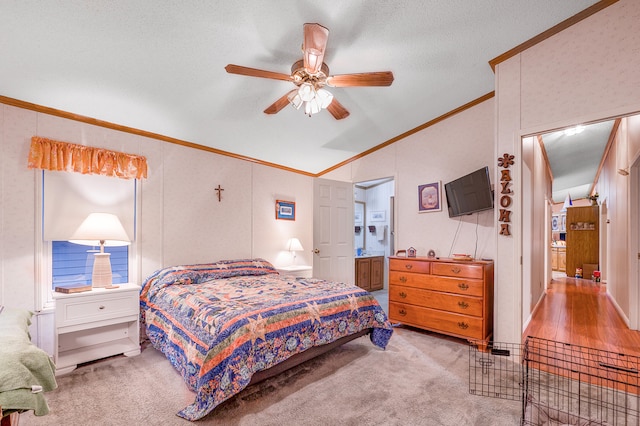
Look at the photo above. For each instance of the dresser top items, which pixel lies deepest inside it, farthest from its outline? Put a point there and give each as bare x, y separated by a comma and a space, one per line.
442, 260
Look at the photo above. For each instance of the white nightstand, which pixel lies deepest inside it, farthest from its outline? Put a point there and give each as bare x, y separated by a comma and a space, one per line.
302, 271
96, 324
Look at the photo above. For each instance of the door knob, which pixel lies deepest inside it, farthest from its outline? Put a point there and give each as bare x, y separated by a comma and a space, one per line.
316, 251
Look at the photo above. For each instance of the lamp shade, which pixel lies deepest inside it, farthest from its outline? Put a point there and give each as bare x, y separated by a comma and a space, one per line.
294, 245
101, 227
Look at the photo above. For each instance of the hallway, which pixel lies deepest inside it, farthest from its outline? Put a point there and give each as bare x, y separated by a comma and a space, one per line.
578, 311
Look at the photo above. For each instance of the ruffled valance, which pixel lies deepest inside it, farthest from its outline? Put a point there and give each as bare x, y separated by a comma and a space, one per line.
62, 156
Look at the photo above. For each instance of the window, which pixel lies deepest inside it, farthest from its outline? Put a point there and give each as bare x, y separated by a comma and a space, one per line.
65, 200
73, 263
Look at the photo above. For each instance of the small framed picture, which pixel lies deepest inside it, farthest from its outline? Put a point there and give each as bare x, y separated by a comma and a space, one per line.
357, 218
285, 210
429, 197
555, 222
377, 216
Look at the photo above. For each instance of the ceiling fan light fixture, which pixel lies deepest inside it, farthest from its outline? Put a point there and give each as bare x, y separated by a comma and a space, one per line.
325, 97
310, 74
314, 100
307, 92
294, 99
312, 107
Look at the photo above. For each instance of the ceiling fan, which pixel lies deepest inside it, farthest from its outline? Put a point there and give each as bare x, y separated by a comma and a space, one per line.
311, 75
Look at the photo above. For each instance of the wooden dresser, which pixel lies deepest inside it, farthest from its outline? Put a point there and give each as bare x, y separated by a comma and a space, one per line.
442, 295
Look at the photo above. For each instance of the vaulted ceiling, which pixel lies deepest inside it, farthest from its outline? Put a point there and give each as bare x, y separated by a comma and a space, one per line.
574, 156
159, 66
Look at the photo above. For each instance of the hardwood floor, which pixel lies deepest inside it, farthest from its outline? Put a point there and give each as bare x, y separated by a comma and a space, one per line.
579, 312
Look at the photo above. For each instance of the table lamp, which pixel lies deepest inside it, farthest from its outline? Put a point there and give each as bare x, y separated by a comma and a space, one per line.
103, 229
293, 245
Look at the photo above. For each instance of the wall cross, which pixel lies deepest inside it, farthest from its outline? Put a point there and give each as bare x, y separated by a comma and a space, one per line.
219, 191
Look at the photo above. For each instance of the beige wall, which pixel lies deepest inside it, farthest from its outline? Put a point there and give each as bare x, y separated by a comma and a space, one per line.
181, 218
443, 152
616, 215
585, 73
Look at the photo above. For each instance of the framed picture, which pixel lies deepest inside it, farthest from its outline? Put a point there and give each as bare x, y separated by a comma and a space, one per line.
377, 216
357, 218
563, 223
429, 197
555, 222
285, 210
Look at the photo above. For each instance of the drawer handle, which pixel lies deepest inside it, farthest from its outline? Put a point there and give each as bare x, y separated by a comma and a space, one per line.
403, 294
456, 270
402, 312
101, 307
463, 325
463, 286
463, 305
403, 279
408, 266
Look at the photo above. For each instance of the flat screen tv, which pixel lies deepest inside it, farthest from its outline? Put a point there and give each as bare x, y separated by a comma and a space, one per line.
469, 194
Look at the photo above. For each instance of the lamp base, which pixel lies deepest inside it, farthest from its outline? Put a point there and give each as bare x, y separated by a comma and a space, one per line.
102, 276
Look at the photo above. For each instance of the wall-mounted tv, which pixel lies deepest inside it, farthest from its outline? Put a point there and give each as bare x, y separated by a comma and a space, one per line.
470, 193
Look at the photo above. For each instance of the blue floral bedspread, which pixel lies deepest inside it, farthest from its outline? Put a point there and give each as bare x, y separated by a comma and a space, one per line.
219, 323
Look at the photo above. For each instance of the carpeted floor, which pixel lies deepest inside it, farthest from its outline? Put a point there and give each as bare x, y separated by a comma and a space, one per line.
420, 379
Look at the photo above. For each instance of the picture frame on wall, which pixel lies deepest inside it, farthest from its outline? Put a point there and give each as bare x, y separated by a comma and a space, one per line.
357, 218
285, 210
430, 197
377, 216
555, 222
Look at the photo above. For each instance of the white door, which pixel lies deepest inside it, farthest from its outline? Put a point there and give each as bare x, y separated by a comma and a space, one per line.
333, 230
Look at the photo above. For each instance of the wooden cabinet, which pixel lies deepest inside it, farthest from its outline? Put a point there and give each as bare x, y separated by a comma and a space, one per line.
559, 259
447, 296
96, 324
582, 237
370, 273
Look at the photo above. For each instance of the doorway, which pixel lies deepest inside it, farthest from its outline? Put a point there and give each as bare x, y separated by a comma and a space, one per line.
374, 230
616, 185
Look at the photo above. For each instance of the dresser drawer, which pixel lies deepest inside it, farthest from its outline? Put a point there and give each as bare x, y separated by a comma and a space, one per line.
468, 287
457, 270
96, 308
432, 319
442, 301
416, 266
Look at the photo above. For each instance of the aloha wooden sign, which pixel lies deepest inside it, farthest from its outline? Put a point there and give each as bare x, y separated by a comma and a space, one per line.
505, 193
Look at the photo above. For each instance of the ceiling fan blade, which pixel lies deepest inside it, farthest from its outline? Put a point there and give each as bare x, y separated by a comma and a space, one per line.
382, 78
337, 110
253, 72
313, 46
278, 105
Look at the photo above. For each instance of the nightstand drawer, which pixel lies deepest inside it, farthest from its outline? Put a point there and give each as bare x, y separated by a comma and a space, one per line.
96, 308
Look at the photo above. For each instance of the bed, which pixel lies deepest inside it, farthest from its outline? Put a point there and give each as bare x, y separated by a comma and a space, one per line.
227, 324
26, 371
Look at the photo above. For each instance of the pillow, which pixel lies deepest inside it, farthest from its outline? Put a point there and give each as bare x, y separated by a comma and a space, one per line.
15, 322
199, 273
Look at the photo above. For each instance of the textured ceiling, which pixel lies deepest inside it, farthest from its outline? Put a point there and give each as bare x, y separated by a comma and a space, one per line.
158, 66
